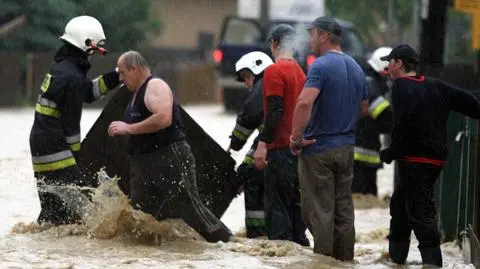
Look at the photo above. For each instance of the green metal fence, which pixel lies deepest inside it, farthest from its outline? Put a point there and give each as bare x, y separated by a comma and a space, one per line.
457, 187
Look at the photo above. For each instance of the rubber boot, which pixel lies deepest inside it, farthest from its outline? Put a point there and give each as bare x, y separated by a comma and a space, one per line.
398, 251
431, 256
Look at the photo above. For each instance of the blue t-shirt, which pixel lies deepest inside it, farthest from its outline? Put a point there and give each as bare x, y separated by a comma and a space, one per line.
342, 86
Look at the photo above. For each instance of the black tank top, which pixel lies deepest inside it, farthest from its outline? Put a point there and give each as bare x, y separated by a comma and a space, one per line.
147, 143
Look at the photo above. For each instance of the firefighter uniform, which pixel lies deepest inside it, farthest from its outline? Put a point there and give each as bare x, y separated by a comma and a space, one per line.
248, 120
55, 134
367, 145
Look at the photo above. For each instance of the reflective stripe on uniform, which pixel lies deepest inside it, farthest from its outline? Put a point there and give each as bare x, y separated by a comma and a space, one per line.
47, 110
52, 157
53, 161
75, 147
55, 165
255, 222
46, 82
366, 155
45, 102
241, 132
73, 139
255, 214
261, 127
249, 157
74, 142
378, 106
99, 87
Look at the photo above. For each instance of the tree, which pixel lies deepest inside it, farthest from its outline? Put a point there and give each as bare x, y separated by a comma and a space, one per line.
371, 18
126, 23
45, 21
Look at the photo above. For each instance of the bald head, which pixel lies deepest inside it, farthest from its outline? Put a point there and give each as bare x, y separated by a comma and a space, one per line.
133, 59
133, 69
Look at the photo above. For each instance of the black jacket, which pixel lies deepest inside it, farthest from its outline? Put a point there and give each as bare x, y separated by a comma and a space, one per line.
249, 119
421, 107
56, 127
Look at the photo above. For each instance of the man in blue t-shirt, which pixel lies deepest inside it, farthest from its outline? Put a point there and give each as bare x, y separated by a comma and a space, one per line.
324, 122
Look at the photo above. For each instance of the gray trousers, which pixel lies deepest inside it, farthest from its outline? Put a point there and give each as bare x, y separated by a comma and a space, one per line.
327, 204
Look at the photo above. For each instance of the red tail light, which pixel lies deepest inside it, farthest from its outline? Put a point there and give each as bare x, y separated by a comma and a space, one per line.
310, 60
217, 56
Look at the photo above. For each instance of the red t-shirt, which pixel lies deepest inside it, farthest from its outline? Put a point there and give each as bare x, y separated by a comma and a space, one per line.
284, 78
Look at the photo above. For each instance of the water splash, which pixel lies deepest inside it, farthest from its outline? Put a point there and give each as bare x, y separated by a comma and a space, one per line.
108, 214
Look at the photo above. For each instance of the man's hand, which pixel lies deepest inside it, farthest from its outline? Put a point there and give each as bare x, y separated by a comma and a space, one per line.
296, 146
117, 128
260, 155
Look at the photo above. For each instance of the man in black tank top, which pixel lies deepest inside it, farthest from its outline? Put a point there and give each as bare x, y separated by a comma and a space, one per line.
157, 139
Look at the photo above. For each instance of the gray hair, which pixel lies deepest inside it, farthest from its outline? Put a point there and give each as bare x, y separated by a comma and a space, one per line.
134, 59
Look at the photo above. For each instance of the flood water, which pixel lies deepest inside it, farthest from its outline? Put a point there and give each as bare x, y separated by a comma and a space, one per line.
116, 236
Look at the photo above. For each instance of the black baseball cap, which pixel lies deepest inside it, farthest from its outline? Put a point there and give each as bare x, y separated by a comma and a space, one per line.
280, 31
402, 52
327, 24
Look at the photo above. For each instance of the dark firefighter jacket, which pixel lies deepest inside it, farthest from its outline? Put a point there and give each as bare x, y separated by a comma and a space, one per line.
367, 145
55, 134
248, 120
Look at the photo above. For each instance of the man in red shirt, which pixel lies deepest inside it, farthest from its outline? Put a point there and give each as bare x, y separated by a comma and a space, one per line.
282, 84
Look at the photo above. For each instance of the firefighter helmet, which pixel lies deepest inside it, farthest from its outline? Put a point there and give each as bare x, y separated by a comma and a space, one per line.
255, 61
82, 31
375, 62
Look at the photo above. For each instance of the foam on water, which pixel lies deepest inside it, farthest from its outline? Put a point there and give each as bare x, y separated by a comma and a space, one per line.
110, 215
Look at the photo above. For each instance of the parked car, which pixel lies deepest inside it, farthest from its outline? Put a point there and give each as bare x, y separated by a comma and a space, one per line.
239, 36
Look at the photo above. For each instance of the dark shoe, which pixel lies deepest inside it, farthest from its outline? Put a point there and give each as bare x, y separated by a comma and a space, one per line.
398, 251
431, 256
55, 211
303, 241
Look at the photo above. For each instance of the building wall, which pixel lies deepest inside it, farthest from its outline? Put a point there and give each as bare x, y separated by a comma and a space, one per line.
184, 19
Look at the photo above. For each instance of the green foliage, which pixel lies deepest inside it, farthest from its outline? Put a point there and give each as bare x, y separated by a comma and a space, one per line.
45, 21
368, 15
459, 37
126, 23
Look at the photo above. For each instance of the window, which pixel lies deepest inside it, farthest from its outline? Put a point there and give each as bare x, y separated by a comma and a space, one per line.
242, 32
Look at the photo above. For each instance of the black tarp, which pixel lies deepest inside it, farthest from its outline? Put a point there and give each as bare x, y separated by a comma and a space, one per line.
216, 179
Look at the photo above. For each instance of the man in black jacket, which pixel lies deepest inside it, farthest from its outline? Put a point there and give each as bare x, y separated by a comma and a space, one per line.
421, 106
55, 134
249, 70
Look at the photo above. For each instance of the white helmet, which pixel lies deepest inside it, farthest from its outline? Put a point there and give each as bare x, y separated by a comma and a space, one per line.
255, 61
82, 30
375, 62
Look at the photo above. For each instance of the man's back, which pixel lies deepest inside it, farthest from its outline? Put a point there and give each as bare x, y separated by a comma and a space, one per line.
285, 78
341, 82
423, 104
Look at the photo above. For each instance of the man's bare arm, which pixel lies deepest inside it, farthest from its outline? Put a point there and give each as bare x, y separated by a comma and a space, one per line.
159, 101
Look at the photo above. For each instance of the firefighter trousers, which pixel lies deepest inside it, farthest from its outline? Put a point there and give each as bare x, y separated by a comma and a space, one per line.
412, 207
163, 184
364, 179
254, 204
62, 200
